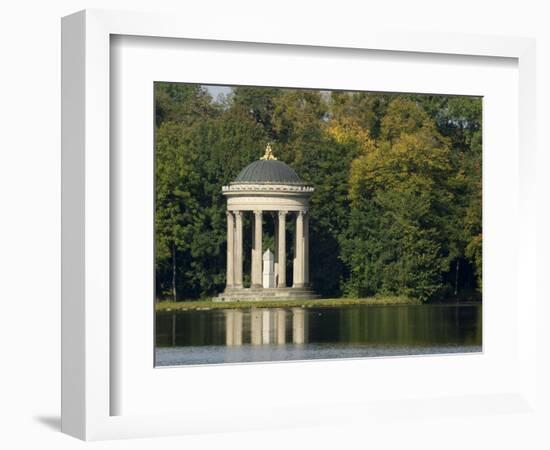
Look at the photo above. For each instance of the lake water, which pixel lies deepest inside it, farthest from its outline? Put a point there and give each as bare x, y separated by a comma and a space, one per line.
282, 334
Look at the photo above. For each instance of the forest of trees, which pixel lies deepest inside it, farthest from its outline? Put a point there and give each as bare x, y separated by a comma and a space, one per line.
398, 190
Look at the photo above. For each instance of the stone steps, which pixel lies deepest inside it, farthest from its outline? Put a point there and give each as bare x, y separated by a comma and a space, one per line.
259, 294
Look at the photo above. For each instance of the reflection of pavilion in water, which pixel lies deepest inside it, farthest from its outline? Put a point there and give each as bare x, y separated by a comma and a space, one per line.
267, 326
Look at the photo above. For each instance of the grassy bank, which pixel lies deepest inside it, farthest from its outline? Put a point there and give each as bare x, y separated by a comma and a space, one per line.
326, 302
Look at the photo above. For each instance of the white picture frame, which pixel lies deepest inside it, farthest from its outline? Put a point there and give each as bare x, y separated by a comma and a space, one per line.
88, 386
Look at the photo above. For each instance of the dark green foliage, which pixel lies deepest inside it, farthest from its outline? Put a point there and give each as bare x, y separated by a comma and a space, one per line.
258, 104
182, 103
397, 202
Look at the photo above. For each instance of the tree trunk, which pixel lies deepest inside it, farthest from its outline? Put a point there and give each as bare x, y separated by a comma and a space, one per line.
174, 289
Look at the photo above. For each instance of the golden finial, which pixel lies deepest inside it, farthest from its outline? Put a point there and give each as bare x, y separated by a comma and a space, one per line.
268, 153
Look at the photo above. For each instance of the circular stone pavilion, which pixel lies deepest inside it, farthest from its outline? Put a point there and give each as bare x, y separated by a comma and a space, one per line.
268, 186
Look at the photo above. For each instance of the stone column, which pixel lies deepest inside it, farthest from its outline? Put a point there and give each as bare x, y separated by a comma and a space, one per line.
257, 251
230, 280
306, 248
299, 250
238, 258
276, 246
281, 250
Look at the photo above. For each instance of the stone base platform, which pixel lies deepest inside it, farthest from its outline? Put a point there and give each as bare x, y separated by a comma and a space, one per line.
262, 294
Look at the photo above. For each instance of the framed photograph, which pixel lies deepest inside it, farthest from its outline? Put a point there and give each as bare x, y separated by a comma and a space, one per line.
252, 220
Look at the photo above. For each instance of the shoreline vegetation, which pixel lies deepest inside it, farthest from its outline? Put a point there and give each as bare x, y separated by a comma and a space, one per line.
198, 305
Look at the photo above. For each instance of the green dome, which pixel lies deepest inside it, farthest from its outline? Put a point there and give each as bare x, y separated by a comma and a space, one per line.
268, 171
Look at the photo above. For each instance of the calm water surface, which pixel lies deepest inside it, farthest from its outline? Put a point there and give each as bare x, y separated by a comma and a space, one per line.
281, 334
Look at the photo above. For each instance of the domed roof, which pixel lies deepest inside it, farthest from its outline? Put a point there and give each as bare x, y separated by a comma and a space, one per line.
268, 171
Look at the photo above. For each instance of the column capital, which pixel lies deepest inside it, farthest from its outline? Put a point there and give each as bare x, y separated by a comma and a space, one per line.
229, 213
258, 212
303, 212
238, 214
282, 214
